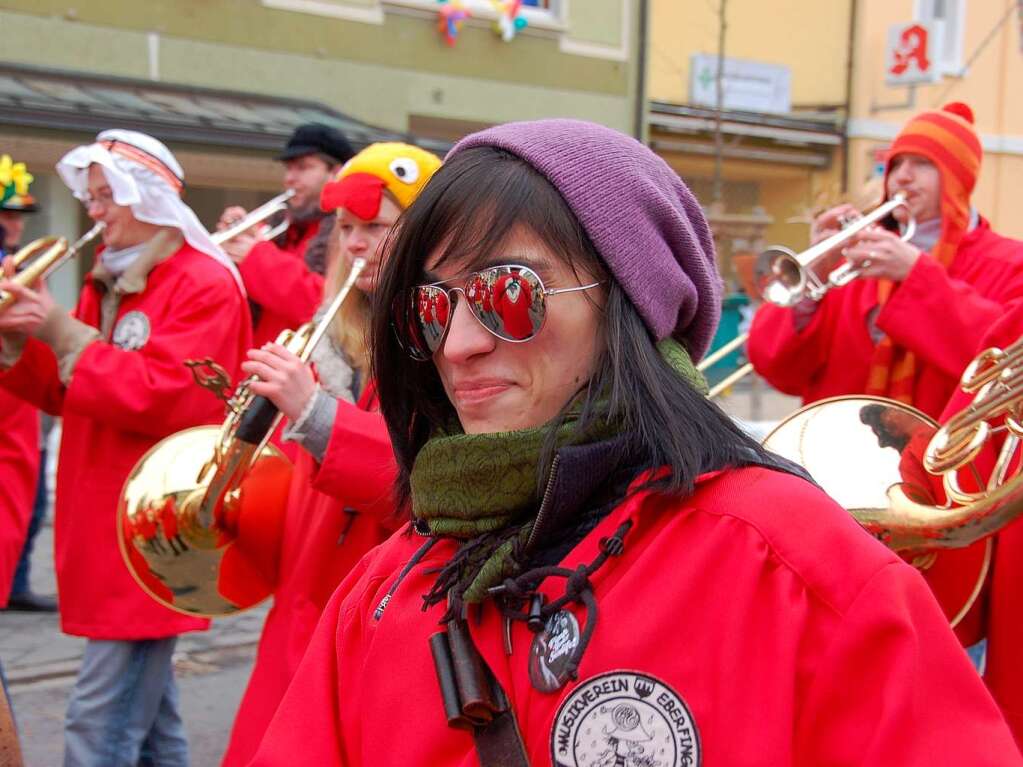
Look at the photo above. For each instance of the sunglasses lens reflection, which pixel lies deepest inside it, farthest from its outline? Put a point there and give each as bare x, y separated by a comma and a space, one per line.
507, 300
431, 311
511, 306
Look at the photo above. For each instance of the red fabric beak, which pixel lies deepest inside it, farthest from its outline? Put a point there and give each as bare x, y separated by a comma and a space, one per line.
359, 193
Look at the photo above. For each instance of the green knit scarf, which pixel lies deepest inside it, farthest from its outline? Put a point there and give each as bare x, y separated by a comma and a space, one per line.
483, 488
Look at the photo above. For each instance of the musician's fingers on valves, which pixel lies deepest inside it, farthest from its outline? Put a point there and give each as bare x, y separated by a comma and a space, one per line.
237, 247
231, 215
828, 224
832, 221
282, 378
880, 253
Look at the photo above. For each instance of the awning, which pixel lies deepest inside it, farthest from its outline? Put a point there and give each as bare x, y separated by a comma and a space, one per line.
807, 140
86, 103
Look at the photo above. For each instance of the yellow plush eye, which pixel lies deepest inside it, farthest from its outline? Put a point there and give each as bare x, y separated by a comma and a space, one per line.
405, 169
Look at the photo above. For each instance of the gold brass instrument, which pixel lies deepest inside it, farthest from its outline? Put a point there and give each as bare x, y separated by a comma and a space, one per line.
785, 278
912, 520
257, 215
41, 258
201, 514
976, 455
719, 354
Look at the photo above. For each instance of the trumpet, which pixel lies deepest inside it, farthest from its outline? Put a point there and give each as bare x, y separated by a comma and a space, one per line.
785, 278
201, 515
42, 257
257, 215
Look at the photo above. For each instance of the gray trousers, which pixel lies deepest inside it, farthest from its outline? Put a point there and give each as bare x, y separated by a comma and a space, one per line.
123, 709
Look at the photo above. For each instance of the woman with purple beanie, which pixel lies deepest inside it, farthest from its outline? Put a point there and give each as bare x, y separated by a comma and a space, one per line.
599, 568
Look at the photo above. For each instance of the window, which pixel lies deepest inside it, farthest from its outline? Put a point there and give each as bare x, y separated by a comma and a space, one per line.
544, 14
949, 22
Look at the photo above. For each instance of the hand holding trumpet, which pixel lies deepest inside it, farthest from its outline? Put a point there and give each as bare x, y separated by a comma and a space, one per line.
882, 254
874, 251
237, 247
283, 378
31, 306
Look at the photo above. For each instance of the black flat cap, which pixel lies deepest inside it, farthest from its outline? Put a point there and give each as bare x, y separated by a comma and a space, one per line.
316, 138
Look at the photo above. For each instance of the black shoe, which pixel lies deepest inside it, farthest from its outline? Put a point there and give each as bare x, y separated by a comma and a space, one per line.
28, 602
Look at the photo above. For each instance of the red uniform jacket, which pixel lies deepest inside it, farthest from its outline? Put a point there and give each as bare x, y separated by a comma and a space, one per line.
724, 637
19, 472
277, 279
336, 512
937, 314
122, 399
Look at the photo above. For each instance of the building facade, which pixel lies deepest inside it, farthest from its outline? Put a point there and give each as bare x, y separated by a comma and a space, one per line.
808, 110
223, 82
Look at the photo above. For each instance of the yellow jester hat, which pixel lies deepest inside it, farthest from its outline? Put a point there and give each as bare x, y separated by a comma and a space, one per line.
401, 169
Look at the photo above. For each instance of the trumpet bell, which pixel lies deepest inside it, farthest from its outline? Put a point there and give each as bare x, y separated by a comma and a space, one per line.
189, 566
780, 278
883, 443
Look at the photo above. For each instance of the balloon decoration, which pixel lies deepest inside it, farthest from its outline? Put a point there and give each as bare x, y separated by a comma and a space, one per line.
450, 17
509, 18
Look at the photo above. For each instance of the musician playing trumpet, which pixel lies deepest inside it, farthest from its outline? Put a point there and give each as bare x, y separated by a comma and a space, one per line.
909, 327
339, 501
161, 292
284, 277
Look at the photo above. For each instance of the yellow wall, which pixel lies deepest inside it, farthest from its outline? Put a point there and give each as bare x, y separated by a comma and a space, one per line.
809, 36
992, 87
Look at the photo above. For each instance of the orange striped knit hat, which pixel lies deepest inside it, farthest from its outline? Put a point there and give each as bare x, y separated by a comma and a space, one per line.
948, 139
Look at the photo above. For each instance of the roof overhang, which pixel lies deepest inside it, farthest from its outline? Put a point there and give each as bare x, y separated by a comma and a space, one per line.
85, 103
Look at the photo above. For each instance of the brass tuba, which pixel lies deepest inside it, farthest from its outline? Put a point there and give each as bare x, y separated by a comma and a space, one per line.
936, 491
41, 258
200, 516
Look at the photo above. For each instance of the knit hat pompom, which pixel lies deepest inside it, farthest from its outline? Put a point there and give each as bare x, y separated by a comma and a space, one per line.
646, 225
948, 139
960, 109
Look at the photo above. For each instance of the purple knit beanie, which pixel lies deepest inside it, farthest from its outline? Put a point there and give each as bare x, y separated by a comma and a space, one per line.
645, 223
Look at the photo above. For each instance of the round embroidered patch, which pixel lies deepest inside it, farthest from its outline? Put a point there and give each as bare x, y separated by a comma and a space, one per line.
624, 718
131, 331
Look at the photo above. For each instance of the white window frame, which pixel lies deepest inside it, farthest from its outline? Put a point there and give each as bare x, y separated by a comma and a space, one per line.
950, 31
552, 19
540, 18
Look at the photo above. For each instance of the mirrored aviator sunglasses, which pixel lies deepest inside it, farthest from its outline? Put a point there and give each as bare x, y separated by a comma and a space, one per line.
509, 301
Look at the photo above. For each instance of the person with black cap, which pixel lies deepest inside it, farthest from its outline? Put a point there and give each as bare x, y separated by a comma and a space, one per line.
284, 277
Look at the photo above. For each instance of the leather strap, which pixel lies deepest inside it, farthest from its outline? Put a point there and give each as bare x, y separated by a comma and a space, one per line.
474, 699
10, 749
499, 744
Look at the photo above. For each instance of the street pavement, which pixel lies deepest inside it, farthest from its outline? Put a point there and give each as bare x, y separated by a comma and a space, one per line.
211, 667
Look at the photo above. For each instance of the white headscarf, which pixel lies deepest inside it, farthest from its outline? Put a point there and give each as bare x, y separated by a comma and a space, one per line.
144, 176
